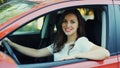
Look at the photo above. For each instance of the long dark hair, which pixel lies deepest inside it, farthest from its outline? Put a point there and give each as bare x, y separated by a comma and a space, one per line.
61, 38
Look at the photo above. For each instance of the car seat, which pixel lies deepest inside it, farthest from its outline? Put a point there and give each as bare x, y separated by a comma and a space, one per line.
93, 31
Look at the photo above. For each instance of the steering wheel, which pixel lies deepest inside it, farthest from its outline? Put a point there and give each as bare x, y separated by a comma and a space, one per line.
10, 51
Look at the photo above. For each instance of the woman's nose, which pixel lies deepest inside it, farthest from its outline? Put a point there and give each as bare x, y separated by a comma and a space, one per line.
68, 24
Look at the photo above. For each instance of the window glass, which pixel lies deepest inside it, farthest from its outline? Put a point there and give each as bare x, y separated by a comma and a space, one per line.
32, 27
12, 8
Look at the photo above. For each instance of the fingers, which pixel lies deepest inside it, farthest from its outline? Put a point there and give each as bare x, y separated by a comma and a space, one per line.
6, 39
67, 58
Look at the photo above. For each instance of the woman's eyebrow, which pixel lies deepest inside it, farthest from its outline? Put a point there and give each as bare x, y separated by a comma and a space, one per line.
74, 19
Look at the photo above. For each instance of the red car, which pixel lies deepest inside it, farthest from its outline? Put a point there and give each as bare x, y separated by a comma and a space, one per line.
33, 22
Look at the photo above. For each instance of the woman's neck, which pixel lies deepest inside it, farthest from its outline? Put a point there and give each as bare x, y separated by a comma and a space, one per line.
71, 38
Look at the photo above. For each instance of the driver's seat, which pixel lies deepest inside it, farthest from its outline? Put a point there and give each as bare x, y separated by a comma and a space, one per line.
93, 31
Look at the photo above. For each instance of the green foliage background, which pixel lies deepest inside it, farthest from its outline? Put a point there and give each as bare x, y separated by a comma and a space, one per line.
3, 1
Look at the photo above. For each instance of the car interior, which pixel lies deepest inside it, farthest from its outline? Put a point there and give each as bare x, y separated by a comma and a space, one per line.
93, 16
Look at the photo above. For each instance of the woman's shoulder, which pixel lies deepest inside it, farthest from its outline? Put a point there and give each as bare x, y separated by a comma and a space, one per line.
83, 41
83, 38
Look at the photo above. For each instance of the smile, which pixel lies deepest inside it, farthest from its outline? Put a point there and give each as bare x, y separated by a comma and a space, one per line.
67, 30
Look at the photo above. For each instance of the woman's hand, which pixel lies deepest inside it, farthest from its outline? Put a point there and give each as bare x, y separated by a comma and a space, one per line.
68, 57
6, 39
1, 46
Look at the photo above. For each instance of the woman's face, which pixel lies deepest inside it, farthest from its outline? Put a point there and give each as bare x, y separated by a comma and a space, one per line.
70, 24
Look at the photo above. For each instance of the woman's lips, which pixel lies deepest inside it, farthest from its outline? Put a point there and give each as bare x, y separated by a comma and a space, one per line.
67, 30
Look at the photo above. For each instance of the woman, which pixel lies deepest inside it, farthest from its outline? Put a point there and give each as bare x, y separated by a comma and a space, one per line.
70, 42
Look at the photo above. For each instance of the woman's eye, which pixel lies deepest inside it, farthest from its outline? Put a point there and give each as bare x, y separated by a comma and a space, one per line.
64, 21
72, 22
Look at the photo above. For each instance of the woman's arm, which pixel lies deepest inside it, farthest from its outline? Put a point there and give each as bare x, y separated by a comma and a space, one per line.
29, 51
95, 53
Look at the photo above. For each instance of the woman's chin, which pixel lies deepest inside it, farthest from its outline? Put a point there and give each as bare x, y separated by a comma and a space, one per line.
68, 34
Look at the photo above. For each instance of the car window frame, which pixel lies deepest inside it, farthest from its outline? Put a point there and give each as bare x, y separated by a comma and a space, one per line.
51, 64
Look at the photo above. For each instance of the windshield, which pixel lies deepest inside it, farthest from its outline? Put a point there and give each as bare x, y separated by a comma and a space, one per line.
13, 8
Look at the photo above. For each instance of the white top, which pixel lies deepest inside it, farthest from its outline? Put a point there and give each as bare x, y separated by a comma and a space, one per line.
81, 45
